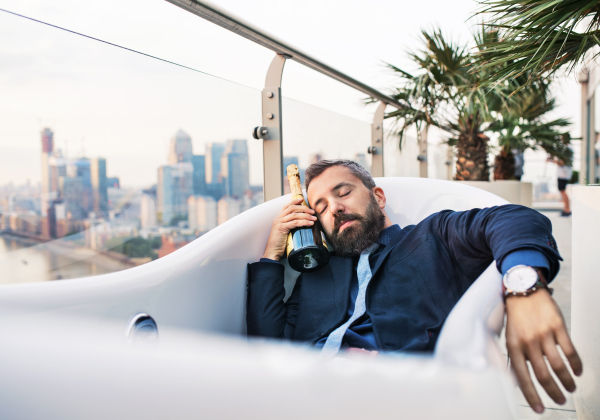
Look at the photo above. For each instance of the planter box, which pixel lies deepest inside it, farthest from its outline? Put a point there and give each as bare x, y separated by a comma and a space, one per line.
585, 298
515, 192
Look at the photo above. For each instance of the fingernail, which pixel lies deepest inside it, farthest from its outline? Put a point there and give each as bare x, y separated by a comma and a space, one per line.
538, 408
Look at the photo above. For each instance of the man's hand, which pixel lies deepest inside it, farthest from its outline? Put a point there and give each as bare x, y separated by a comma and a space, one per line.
534, 327
293, 215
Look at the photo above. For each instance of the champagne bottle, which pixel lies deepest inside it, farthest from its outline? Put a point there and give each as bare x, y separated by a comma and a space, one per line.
306, 246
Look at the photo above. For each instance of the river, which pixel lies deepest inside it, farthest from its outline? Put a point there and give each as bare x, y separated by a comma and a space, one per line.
26, 261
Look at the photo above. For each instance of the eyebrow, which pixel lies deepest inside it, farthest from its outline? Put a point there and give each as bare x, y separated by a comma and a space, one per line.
334, 189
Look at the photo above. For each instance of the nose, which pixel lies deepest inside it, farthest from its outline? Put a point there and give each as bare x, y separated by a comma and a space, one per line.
336, 207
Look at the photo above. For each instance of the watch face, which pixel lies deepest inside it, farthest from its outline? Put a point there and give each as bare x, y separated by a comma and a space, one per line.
520, 279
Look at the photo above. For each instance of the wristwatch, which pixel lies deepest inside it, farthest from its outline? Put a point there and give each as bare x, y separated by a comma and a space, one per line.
522, 280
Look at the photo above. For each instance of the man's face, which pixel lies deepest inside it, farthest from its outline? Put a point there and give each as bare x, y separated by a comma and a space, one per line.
348, 211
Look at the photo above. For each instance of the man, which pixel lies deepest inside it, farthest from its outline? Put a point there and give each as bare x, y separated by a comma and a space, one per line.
388, 288
564, 174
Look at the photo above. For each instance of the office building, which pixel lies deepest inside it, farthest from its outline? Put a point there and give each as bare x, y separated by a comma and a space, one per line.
202, 213
235, 171
72, 192
213, 154
99, 186
199, 164
147, 211
228, 207
175, 185
58, 168
81, 169
180, 148
113, 182
47, 137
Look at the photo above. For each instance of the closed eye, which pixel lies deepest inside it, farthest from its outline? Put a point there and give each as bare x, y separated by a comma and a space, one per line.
323, 210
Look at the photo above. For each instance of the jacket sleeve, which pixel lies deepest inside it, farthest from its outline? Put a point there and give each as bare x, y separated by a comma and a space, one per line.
266, 313
476, 237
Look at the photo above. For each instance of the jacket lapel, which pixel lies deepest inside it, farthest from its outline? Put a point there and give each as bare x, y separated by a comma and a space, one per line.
341, 268
388, 248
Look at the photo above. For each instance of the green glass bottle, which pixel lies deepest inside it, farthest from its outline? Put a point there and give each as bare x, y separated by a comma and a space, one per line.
306, 246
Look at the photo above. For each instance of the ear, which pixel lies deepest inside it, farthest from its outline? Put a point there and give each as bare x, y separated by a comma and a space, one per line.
379, 197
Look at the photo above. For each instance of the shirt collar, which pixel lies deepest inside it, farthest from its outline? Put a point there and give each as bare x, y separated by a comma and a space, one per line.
387, 234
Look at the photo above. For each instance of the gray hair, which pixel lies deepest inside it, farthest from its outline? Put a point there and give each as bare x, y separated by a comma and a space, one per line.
358, 171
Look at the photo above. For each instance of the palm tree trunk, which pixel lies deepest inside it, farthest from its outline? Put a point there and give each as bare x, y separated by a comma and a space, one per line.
504, 165
472, 153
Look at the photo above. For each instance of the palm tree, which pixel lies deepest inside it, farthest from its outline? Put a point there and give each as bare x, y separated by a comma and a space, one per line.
520, 126
445, 94
540, 36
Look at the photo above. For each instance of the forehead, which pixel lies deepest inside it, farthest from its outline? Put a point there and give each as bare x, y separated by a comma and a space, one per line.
328, 180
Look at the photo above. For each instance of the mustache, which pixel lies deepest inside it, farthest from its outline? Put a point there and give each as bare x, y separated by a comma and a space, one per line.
343, 218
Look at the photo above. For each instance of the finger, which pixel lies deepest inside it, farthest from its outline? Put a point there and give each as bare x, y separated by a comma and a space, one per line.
565, 343
297, 216
519, 366
297, 209
296, 223
536, 357
294, 201
557, 364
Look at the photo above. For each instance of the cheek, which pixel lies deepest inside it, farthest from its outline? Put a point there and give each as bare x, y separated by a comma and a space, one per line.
326, 223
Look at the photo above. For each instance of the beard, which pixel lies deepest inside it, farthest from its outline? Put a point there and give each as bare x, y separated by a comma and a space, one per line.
355, 238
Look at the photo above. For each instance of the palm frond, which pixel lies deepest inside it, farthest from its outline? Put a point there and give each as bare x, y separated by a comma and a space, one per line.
539, 37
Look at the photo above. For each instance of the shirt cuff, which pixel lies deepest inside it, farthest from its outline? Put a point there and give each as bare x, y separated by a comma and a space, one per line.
269, 260
529, 257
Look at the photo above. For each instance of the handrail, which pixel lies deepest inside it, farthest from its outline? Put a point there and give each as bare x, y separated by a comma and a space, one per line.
237, 25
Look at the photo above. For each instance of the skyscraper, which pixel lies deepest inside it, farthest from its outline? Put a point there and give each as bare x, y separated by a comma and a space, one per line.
176, 180
227, 208
213, 162
72, 192
47, 149
175, 185
147, 211
81, 169
180, 148
199, 164
235, 170
202, 211
99, 186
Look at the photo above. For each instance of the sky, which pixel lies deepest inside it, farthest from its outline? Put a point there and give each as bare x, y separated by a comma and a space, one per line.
102, 101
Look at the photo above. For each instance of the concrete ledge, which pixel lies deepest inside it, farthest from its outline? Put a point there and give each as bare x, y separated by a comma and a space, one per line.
516, 192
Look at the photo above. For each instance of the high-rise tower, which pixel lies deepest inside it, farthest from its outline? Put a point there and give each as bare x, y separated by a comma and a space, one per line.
235, 170
213, 162
180, 148
47, 150
99, 186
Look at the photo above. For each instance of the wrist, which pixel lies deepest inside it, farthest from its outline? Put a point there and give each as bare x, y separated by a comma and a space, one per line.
271, 256
522, 281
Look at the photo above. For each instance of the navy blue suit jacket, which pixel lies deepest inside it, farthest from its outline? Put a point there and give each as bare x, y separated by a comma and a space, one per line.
419, 277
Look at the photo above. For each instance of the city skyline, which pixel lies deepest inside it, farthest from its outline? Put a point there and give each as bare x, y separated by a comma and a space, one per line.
125, 106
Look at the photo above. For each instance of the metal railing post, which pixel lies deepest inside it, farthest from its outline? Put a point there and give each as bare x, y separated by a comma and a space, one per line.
422, 158
376, 148
273, 138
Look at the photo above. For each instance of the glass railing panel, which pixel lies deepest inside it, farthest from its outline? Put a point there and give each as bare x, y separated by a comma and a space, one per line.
311, 134
110, 159
400, 158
